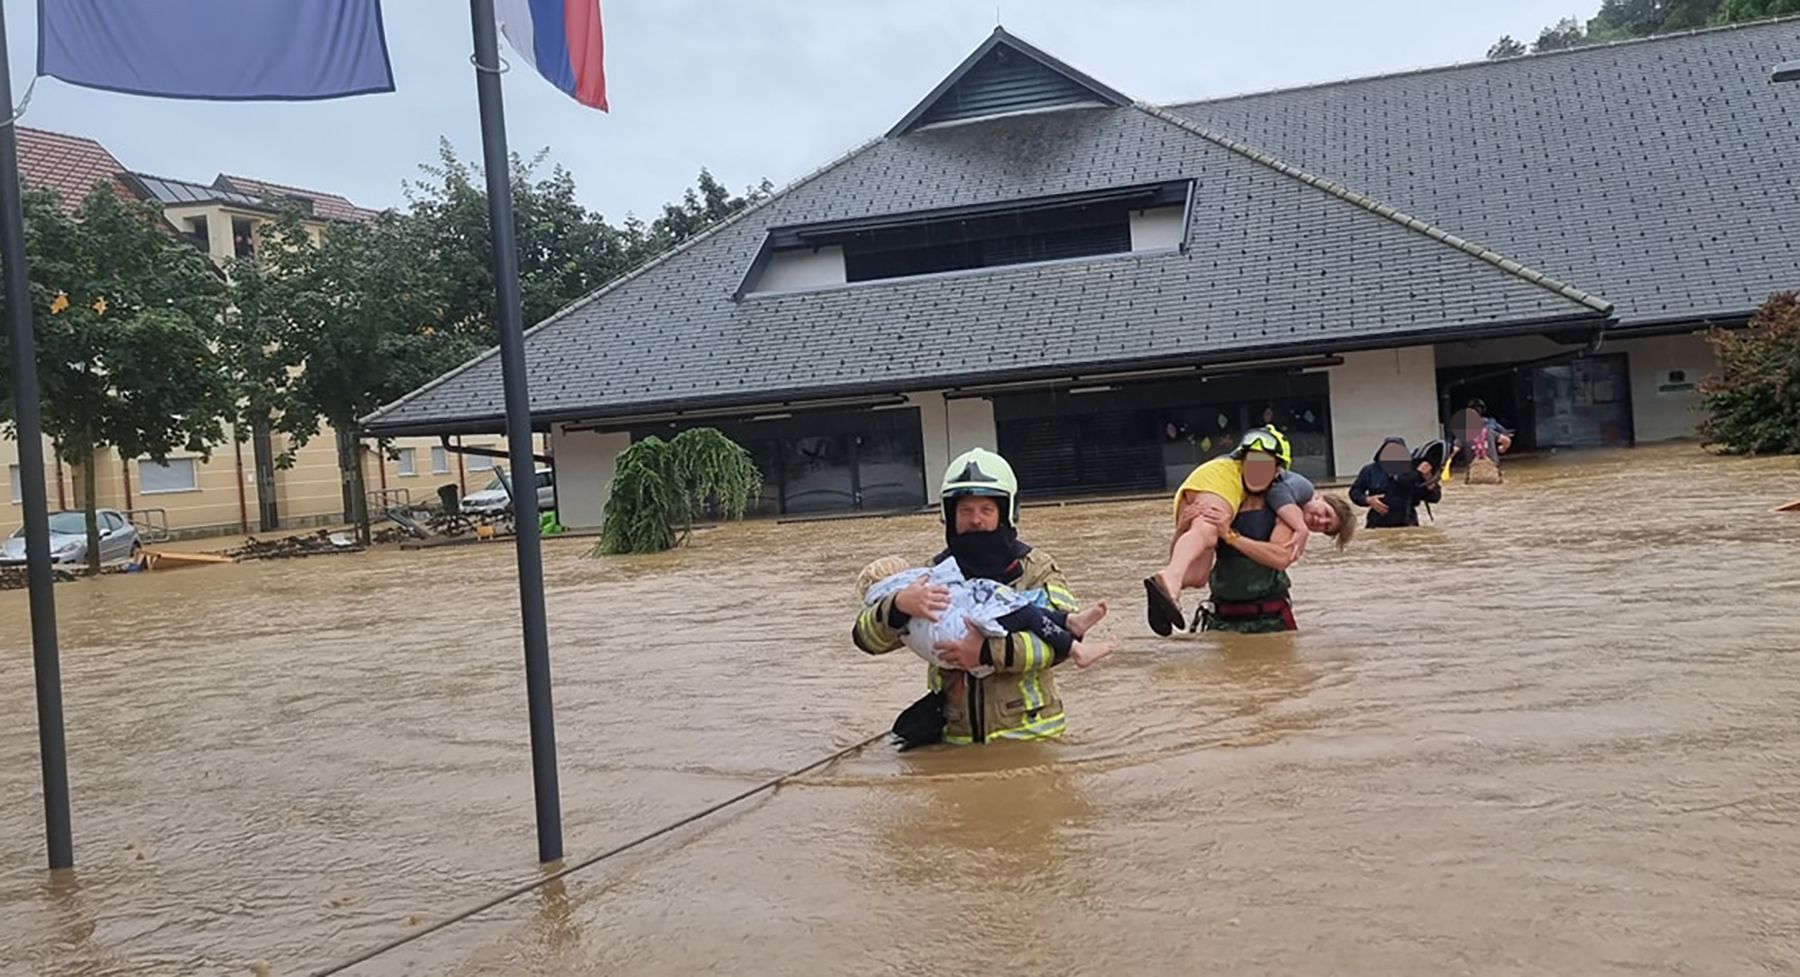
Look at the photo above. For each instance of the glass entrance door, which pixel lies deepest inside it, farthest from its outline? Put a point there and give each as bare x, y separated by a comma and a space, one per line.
1584, 403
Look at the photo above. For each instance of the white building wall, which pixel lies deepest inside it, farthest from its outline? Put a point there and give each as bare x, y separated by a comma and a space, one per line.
1158, 227
951, 427
1378, 394
584, 473
1658, 414
789, 270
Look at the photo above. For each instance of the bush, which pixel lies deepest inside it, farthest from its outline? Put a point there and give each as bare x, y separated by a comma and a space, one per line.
1753, 401
659, 486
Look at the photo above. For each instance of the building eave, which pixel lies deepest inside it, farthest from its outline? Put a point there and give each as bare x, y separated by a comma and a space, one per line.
738, 403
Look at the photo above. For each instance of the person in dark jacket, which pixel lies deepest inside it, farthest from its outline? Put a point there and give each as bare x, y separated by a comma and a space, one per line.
1393, 485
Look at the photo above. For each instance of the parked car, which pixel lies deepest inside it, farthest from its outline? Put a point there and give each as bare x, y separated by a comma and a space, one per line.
493, 498
68, 538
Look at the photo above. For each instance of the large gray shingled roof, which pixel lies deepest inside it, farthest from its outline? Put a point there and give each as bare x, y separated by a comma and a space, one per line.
1278, 263
1661, 173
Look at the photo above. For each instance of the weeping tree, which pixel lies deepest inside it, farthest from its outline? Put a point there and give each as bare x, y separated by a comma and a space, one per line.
659, 487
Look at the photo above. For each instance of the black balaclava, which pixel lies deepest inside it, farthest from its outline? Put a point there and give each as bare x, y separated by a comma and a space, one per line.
986, 555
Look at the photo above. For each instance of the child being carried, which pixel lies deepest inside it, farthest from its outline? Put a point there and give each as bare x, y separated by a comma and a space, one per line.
995, 608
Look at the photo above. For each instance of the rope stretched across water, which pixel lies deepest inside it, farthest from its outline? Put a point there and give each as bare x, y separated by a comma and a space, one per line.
578, 866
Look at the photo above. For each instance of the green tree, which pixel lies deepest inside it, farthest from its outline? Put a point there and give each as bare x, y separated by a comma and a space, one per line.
259, 364
126, 318
353, 322
565, 251
1619, 20
1505, 47
660, 486
1753, 400
1622, 19
1744, 11
1567, 33
701, 206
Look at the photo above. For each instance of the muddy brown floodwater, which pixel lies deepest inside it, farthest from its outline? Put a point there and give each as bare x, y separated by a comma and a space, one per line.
1553, 731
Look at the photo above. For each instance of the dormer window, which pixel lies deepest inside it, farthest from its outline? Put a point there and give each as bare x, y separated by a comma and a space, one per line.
1071, 226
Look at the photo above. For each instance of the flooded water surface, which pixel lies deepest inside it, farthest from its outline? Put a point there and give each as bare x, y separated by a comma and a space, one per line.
1554, 730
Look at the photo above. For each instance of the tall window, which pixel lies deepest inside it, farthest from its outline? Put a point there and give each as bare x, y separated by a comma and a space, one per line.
406, 462
480, 463
179, 475
12, 477
440, 461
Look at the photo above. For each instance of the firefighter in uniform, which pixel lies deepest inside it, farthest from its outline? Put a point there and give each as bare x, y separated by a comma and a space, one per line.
1249, 584
1018, 699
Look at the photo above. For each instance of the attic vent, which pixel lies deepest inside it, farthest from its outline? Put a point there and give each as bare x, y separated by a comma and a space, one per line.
1006, 81
1003, 75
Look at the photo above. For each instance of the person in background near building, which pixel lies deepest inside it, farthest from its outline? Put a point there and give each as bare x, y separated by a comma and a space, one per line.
1392, 486
1018, 698
1482, 440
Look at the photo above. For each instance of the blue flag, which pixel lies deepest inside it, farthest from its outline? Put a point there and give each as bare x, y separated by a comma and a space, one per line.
220, 50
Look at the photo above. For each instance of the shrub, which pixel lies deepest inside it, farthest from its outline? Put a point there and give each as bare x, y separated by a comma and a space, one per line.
1753, 401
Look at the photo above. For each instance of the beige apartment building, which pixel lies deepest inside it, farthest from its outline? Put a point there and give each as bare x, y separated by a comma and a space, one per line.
237, 489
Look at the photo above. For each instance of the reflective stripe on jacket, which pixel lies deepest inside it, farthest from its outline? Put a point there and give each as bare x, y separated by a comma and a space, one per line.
1019, 699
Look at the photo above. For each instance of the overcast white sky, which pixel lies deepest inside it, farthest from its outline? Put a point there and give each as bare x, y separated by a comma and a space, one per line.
749, 88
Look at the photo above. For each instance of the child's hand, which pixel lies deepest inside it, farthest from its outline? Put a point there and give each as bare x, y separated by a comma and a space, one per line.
920, 599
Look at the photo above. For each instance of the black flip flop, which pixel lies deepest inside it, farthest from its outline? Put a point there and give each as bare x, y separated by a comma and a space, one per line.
1165, 614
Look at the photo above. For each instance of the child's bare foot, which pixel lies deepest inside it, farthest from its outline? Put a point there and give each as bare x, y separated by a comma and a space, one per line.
1085, 654
1087, 617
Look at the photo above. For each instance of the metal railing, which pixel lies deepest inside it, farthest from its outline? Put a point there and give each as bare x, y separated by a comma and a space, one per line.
152, 525
382, 501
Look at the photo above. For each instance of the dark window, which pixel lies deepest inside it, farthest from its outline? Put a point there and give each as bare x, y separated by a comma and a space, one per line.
1013, 239
243, 237
819, 474
830, 462
1080, 225
1200, 433
1148, 436
890, 456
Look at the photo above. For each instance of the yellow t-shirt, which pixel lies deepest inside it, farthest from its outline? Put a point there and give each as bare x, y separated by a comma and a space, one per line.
1222, 476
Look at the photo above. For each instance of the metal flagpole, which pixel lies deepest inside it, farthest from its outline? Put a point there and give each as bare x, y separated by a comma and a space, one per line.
518, 430
30, 424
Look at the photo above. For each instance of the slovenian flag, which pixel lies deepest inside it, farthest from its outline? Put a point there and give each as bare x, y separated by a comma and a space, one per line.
561, 39
254, 50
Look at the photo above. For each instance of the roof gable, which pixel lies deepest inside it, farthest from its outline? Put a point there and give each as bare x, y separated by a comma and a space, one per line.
67, 165
326, 206
1005, 75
